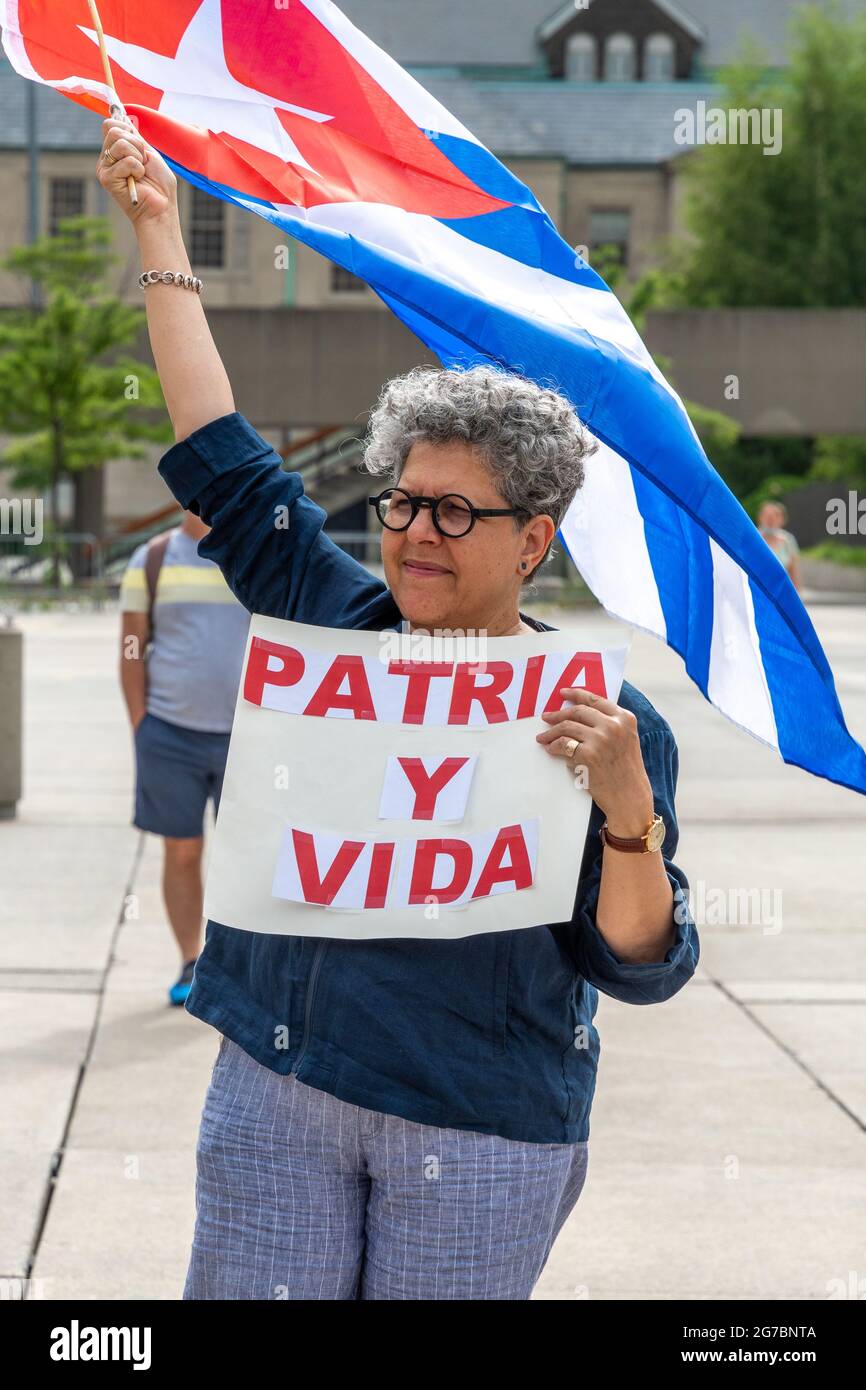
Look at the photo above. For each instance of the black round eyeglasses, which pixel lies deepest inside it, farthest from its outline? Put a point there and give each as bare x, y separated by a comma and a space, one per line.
453, 515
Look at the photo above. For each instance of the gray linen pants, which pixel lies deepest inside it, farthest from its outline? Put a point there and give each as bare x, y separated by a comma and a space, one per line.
300, 1195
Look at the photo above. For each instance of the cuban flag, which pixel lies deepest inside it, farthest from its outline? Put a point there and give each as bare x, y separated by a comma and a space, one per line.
287, 109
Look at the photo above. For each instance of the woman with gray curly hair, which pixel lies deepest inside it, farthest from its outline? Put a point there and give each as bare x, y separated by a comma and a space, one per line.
407, 1119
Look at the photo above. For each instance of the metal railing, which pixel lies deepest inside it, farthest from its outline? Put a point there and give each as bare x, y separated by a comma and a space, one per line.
70, 561
56, 561
78, 563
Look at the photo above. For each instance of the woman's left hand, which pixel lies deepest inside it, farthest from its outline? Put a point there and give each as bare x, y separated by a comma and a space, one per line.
610, 751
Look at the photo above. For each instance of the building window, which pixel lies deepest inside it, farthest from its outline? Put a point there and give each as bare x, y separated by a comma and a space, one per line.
580, 65
610, 227
344, 282
659, 58
620, 58
65, 199
207, 229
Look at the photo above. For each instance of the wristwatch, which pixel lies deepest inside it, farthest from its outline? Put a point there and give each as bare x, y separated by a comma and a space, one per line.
641, 844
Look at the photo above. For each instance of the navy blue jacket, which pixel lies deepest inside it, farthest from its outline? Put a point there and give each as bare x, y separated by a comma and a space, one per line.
491, 1032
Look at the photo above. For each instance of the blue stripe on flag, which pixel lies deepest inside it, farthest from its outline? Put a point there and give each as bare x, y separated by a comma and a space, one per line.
523, 231
682, 566
528, 237
810, 724
485, 170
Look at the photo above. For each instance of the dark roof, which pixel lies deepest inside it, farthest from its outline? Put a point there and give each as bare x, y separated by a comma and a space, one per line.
61, 124
502, 33
582, 122
725, 22
674, 11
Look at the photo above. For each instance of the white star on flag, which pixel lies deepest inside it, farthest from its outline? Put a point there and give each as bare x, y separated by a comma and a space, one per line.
196, 81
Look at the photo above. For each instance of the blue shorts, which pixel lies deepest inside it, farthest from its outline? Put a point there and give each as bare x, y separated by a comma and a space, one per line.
177, 770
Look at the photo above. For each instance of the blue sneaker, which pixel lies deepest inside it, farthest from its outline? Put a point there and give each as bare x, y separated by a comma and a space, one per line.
181, 988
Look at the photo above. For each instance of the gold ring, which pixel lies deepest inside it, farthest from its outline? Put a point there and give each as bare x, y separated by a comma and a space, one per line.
109, 157
571, 747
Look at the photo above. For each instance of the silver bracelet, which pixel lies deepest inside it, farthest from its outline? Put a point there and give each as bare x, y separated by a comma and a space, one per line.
170, 277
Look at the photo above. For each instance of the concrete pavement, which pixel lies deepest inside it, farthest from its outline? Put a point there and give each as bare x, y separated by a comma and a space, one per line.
727, 1140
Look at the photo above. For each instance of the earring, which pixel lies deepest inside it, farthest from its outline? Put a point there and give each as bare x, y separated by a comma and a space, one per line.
523, 564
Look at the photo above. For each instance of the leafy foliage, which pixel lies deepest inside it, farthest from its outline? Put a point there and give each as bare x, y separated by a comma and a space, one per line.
783, 230
65, 394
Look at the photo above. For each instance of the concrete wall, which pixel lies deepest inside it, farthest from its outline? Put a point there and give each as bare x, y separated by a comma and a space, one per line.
809, 514
798, 371
310, 367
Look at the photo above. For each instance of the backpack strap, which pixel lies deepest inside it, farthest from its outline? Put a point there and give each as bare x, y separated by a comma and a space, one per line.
153, 561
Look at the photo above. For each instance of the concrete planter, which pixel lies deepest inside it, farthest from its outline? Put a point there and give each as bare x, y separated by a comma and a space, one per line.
11, 685
840, 579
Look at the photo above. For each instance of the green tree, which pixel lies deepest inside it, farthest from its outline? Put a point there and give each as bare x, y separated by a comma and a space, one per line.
67, 395
841, 458
783, 230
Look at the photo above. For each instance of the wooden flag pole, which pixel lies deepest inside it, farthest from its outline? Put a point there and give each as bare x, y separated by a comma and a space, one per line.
116, 109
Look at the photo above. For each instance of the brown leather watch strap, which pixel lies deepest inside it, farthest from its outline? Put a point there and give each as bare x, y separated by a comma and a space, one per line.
631, 846
638, 844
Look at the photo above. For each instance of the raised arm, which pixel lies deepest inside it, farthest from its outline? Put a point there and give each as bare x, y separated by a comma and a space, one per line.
267, 536
193, 378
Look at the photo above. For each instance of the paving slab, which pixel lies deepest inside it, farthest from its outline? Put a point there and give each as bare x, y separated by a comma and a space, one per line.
727, 1134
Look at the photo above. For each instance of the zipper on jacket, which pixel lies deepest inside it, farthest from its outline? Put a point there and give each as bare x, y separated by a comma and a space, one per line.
311, 990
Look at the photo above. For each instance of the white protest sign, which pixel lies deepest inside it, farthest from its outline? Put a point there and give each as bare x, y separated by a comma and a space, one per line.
384, 784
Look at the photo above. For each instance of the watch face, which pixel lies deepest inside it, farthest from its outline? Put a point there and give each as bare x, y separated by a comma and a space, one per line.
656, 836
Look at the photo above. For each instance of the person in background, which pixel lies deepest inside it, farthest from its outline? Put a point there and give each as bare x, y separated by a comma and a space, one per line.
771, 520
183, 636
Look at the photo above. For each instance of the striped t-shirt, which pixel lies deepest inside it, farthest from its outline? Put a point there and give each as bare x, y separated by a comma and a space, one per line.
199, 637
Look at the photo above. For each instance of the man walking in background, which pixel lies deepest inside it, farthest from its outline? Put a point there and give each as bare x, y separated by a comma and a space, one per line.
182, 644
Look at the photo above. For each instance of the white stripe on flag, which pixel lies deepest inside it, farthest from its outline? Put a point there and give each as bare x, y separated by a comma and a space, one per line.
604, 532
736, 683
419, 105
440, 251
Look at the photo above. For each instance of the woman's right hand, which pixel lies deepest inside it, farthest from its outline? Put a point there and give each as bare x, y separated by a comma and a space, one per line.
155, 183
